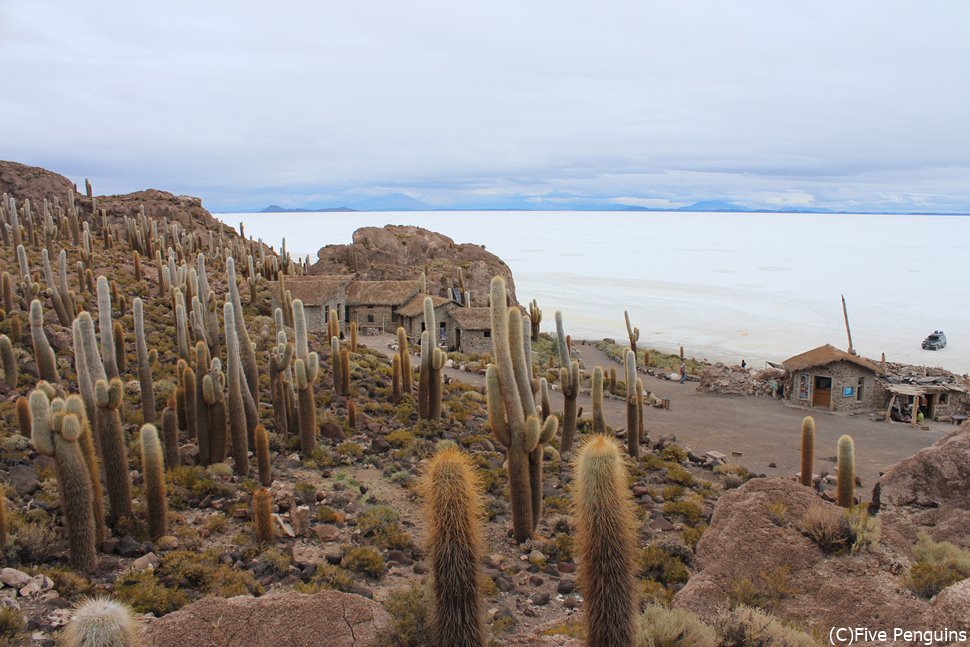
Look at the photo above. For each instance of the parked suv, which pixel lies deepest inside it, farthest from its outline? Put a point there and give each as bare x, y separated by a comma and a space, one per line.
936, 341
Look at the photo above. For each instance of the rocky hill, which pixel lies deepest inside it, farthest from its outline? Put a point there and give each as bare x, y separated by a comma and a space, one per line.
399, 252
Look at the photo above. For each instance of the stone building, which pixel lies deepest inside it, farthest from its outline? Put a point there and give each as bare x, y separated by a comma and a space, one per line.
375, 305
829, 378
411, 316
473, 330
319, 294
940, 397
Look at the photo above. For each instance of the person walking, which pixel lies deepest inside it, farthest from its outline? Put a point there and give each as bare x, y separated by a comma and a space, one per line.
683, 372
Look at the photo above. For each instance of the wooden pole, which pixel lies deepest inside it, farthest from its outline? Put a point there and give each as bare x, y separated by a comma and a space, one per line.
845, 315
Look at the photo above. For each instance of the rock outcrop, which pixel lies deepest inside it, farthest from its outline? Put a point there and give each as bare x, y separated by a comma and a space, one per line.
291, 619
928, 491
748, 547
402, 252
734, 380
32, 183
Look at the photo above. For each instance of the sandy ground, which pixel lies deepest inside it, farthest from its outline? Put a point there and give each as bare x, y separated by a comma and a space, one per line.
765, 431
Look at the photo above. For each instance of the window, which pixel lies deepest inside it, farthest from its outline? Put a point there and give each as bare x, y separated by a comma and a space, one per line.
487, 333
944, 398
858, 391
370, 318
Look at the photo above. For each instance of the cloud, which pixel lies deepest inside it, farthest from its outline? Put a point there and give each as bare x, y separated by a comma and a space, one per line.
246, 103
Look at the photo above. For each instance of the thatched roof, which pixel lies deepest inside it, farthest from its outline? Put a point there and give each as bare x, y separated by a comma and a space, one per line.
472, 318
824, 355
415, 307
381, 293
313, 290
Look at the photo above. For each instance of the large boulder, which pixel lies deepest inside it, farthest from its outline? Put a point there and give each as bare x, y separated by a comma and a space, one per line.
928, 491
745, 543
402, 252
291, 619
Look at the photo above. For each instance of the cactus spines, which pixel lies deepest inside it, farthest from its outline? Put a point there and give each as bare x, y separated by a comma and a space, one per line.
23, 416
338, 373
280, 370
405, 355
569, 381
606, 543
599, 422
105, 329
639, 395
153, 466
808, 450
544, 406
191, 405
170, 434
8, 361
632, 407
237, 409
263, 516
632, 332
145, 380
396, 378
432, 361
262, 456
43, 353
512, 413
114, 451
16, 330
333, 324
57, 435
353, 336
845, 473
351, 414
136, 261
101, 622
306, 368
535, 317
453, 509
247, 352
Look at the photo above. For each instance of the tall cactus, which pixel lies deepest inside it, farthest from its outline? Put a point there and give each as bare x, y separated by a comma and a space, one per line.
56, 434
396, 378
808, 450
114, 450
280, 361
599, 421
845, 473
338, 372
606, 543
105, 331
353, 336
247, 352
405, 354
632, 332
153, 466
345, 372
306, 367
191, 404
432, 361
43, 353
217, 416
8, 361
569, 382
535, 317
453, 509
146, 359
639, 395
262, 456
87, 362
74, 405
263, 516
237, 409
121, 348
632, 408
512, 412
170, 436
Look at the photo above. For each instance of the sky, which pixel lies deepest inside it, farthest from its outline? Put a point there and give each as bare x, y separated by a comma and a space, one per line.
855, 106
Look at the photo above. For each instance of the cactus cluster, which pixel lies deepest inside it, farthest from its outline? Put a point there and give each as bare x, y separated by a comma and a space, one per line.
512, 413
432, 361
569, 382
306, 367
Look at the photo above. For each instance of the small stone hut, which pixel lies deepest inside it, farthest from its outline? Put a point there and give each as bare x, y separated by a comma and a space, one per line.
829, 378
473, 330
411, 316
319, 294
375, 305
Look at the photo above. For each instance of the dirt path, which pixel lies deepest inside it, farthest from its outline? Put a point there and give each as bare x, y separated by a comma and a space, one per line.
765, 431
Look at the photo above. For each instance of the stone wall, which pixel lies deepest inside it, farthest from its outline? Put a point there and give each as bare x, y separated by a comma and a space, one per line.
371, 319
475, 341
844, 375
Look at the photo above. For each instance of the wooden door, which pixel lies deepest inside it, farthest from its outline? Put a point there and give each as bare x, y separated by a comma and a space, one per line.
458, 339
822, 392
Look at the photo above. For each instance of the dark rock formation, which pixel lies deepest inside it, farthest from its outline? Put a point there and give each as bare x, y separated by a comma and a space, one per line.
32, 183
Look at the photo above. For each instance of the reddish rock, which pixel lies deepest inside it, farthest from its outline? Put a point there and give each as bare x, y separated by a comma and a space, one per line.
292, 619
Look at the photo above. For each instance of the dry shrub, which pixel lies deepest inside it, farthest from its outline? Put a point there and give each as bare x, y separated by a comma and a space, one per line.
827, 526
662, 627
747, 627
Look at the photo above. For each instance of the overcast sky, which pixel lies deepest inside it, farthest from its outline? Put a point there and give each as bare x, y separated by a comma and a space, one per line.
858, 105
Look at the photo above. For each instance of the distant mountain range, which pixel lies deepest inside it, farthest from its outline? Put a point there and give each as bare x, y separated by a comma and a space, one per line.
401, 202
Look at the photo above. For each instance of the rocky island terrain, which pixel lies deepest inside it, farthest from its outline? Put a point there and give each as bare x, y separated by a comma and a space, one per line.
210, 472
